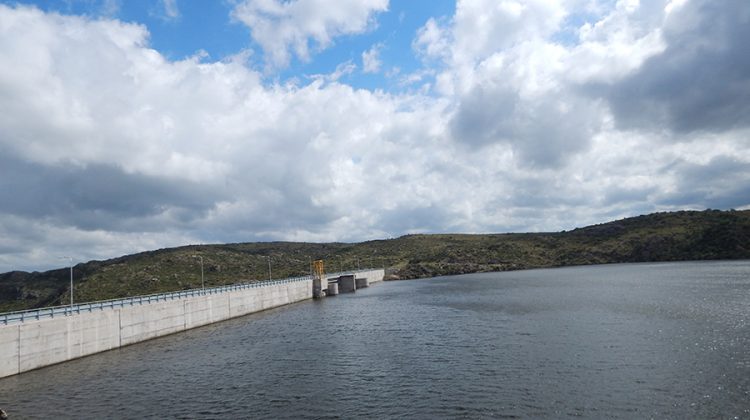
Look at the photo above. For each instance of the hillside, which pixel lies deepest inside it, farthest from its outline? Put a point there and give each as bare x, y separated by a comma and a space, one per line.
677, 236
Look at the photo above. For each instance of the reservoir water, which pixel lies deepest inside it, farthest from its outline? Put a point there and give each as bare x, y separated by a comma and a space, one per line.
668, 340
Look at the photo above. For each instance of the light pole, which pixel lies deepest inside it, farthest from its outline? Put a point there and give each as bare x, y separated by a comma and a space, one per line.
357, 263
203, 283
268, 257
70, 259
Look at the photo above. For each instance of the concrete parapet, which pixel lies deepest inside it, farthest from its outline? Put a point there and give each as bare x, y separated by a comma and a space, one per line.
372, 276
9, 350
55, 340
93, 333
242, 303
361, 282
143, 322
203, 310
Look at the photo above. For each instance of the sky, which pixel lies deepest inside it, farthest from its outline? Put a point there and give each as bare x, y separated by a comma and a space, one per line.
131, 125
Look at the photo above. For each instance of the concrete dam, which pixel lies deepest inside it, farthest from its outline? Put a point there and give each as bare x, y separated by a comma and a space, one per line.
42, 337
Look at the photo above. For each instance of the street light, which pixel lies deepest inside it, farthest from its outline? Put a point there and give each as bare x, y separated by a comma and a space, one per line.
70, 259
268, 257
203, 283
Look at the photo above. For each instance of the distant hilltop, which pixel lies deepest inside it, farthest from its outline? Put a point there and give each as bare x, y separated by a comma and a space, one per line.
674, 236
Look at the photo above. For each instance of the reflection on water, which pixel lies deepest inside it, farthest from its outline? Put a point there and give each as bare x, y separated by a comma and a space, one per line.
646, 340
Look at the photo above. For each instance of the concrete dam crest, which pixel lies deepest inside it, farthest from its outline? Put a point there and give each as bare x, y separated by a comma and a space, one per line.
34, 339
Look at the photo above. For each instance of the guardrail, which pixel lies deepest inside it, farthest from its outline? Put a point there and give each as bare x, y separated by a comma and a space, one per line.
52, 311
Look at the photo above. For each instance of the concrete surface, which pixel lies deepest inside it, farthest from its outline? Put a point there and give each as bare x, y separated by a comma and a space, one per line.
333, 289
361, 282
347, 284
9, 350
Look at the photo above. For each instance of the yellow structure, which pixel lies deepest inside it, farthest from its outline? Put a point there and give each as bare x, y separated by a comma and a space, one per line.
320, 283
318, 271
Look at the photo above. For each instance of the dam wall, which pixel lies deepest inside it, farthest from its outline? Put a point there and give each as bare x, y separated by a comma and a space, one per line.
372, 276
35, 343
37, 338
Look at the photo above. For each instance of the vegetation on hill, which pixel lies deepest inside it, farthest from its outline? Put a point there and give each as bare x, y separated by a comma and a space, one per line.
678, 236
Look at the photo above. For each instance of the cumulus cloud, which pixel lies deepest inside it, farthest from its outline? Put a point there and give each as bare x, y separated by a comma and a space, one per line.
343, 69
699, 82
371, 59
107, 147
168, 10
663, 68
720, 183
674, 66
283, 28
507, 78
145, 144
110, 7
432, 41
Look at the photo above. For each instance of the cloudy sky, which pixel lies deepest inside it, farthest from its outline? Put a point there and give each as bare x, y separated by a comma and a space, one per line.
134, 125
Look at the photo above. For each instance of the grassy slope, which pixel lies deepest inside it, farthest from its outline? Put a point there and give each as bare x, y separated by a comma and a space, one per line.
656, 237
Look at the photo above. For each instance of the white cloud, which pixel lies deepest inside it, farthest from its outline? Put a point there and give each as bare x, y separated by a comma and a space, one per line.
674, 5
522, 133
617, 44
371, 59
481, 28
217, 153
342, 70
110, 7
432, 41
283, 28
171, 9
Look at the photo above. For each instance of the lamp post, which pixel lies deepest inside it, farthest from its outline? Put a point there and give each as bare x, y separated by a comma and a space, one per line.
268, 257
203, 283
70, 259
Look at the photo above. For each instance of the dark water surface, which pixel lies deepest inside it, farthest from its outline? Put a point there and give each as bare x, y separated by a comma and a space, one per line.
629, 341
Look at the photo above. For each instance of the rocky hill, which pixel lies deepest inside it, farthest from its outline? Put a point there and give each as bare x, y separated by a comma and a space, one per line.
676, 236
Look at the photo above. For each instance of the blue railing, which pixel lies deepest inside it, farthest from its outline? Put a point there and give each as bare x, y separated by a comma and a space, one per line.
52, 311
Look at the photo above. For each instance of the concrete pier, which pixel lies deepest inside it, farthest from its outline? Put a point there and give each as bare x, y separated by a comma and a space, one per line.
320, 285
333, 289
347, 284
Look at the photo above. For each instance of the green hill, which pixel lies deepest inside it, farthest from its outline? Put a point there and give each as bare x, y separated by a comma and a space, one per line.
678, 236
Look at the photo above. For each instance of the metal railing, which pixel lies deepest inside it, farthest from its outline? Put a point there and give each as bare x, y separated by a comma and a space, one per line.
52, 311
